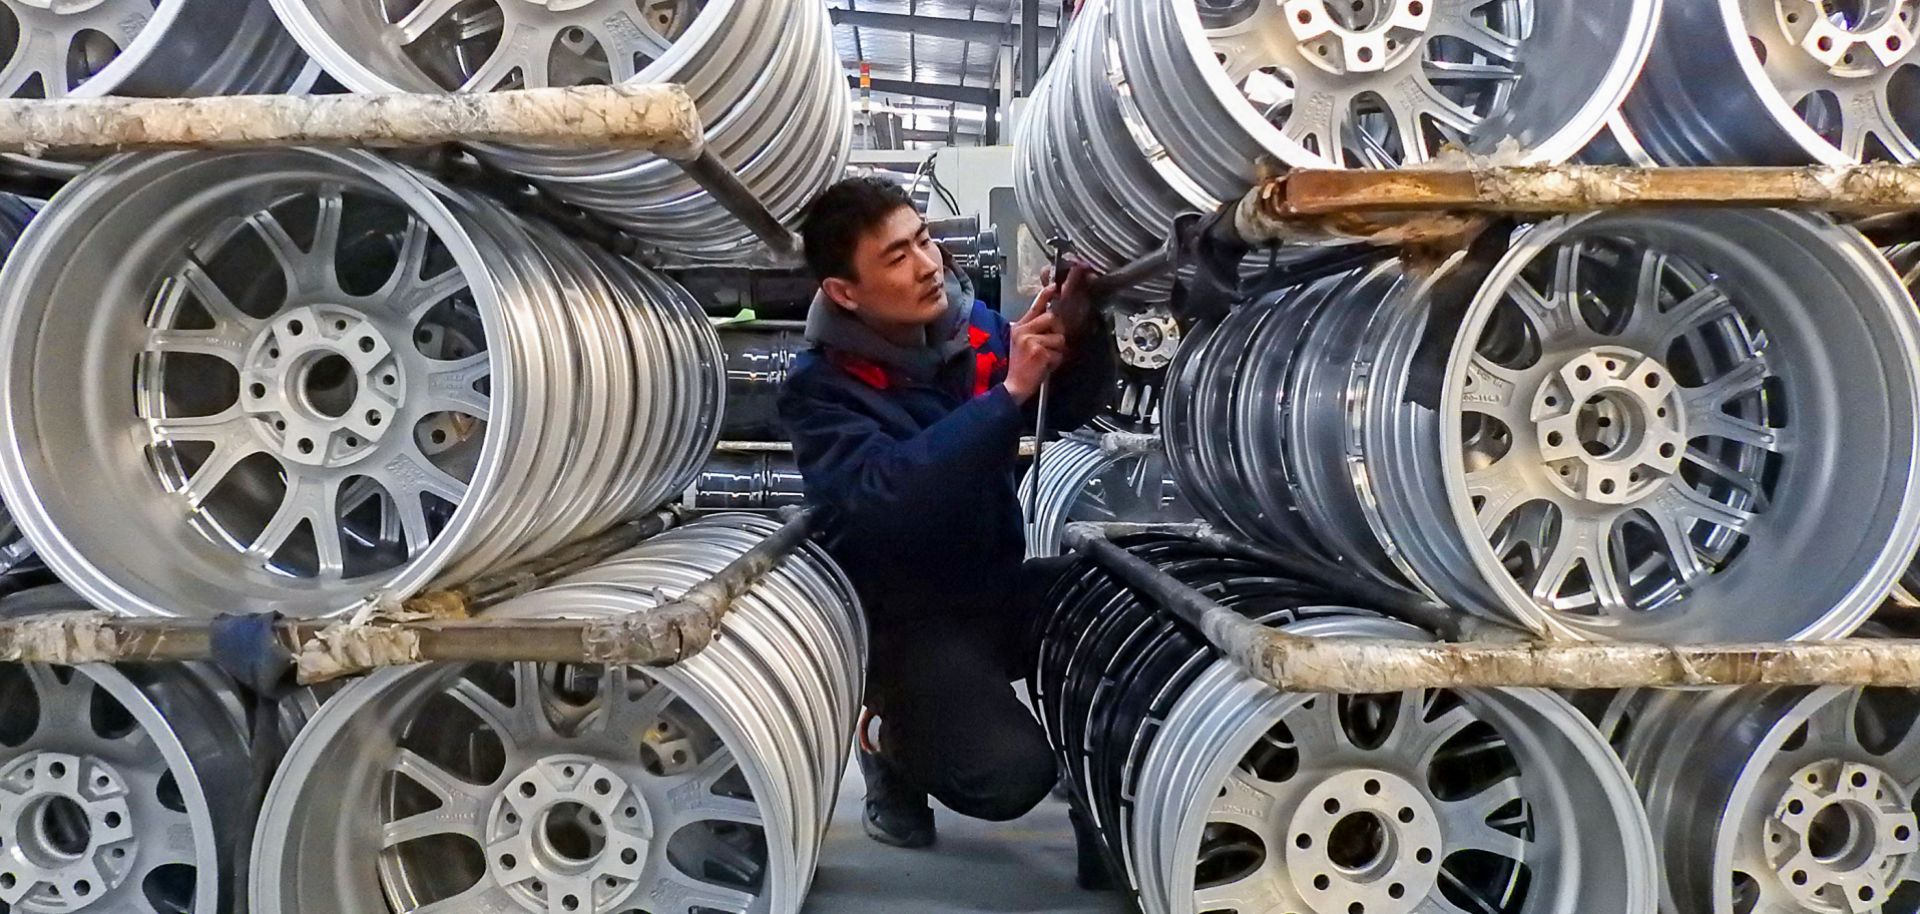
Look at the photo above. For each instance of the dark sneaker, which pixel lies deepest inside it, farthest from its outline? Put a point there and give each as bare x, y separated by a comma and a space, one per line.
897, 814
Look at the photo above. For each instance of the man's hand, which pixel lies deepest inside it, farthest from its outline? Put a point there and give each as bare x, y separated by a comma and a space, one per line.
1069, 300
1038, 347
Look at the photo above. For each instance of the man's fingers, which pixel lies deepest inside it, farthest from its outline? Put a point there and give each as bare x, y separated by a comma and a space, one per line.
1041, 303
1042, 323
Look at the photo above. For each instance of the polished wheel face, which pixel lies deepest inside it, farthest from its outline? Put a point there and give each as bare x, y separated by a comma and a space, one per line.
61, 48
368, 406
104, 789
1637, 429
483, 45
1375, 83
1421, 801
1781, 82
764, 74
702, 787
1776, 801
1847, 68
1215, 793
345, 378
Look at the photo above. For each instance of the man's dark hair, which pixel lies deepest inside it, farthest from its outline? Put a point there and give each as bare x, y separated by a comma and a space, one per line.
834, 223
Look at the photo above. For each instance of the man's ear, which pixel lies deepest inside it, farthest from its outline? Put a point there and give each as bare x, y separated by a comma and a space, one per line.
841, 292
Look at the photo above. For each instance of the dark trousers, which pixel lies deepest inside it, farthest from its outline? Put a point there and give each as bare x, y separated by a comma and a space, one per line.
951, 724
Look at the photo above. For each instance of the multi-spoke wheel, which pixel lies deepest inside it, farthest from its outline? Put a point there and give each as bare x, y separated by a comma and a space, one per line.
87, 48
1775, 801
1377, 83
1497, 800
1080, 481
116, 785
311, 376
1218, 794
702, 787
1644, 428
764, 74
1781, 82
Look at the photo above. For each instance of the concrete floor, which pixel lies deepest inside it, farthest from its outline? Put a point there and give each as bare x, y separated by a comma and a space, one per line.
977, 867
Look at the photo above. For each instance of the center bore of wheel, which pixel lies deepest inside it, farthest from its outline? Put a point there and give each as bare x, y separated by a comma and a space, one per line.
1364, 839
1358, 36
574, 833
324, 384
330, 385
64, 831
67, 837
568, 834
1359, 843
1851, 38
1610, 425
1840, 835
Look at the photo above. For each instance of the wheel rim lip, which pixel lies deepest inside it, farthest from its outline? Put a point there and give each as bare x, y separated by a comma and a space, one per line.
1233, 735
1863, 595
1565, 142
41, 254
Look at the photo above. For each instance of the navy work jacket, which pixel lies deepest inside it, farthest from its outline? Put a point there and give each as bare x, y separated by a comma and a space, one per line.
919, 478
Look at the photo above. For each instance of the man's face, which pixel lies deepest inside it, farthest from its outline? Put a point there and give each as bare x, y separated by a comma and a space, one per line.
899, 276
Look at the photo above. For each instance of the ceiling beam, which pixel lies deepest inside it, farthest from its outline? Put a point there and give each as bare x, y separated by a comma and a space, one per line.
936, 26
965, 95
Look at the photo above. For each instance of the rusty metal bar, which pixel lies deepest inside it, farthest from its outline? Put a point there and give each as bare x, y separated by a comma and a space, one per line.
1366, 666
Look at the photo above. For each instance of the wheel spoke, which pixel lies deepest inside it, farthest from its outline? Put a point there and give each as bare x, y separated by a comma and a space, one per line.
39, 53
452, 386
1748, 483
1319, 116
411, 475
1685, 502
1501, 490
1702, 307
306, 500
213, 299
453, 791
227, 425
423, 18
1685, 560
482, 896
506, 60
226, 455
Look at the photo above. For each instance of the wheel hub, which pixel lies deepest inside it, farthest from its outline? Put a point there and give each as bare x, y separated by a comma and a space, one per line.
1610, 425
1851, 38
1359, 36
325, 384
1148, 339
66, 834
1839, 836
1364, 840
568, 834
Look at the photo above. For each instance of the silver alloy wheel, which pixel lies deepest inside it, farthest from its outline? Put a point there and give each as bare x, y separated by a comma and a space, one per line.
331, 357
704, 786
1252, 800
1382, 83
1080, 481
764, 74
1640, 426
1781, 82
163, 48
1768, 801
115, 784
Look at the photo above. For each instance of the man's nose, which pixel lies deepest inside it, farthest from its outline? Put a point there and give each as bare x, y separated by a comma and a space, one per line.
929, 262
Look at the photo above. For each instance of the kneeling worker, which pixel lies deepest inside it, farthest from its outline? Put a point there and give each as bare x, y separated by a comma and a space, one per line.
906, 416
